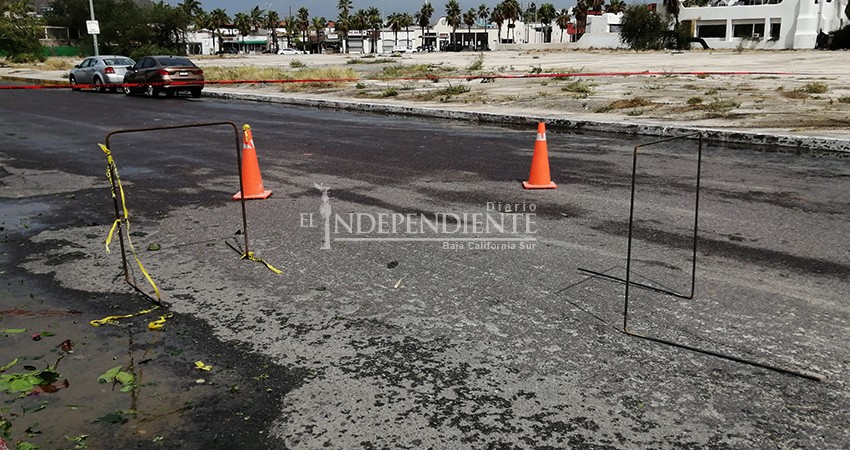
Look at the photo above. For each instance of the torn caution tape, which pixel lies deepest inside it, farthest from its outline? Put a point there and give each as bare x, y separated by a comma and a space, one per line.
155, 325
112, 170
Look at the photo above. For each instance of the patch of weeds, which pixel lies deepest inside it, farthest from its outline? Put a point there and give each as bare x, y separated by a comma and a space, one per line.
720, 106
535, 70
694, 101
389, 92
335, 77
711, 91
296, 64
795, 94
652, 87
360, 86
703, 76
814, 88
445, 93
635, 102
412, 71
691, 87
635, 112
477, 63
844, 99
369, 59
577, 86
544, 83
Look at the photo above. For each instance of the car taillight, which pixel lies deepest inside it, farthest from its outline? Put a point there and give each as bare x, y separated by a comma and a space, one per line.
162, 72
109, 70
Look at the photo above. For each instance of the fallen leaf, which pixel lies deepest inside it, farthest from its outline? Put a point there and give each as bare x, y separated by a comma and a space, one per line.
15, 330
398, 283
201, 366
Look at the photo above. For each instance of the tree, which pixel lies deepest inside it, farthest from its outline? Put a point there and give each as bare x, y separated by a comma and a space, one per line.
483, 13
511, 10
615, 7
19, 31
580, 13
394, 24
546, 14
423, 18
218, 19
302, 24
319, 24
596, 5
469, 20
374, 22
244, 24
453, 17
271, 22
642, 29
406, 20
530, 13
343, 23
673, 8
562, 19
498, 17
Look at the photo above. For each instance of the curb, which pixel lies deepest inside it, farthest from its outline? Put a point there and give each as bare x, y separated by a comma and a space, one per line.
710, 134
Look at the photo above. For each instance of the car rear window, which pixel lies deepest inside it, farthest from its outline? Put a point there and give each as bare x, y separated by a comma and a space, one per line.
118, 62
175, 61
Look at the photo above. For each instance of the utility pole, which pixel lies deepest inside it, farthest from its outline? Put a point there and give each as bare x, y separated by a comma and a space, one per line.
94, 35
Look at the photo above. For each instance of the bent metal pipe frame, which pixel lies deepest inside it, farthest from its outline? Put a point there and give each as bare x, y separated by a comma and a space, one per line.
128, 276
628, 282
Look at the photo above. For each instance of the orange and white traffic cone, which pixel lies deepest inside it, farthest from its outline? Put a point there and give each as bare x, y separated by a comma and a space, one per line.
252, 181
539, 176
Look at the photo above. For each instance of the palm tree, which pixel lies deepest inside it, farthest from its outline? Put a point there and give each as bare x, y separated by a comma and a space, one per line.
394, 24
243, 23
498, 17
257, 17
580, 13
374, 23
511, 10
596, 5
562, 19
406, 20
673, 8
271, 22
319, 24
484, 13
469, 20
423, 18
302, 24
546, 14
615, 7
343, 23
453, 16
530, 13
218, 19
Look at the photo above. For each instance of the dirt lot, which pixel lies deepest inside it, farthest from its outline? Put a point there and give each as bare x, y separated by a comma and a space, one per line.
800, 92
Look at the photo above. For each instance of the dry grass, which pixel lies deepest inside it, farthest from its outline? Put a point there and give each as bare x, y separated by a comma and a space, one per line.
337, 77
627, 103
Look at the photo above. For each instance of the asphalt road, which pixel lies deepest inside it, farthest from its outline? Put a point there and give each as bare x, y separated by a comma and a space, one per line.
430, 343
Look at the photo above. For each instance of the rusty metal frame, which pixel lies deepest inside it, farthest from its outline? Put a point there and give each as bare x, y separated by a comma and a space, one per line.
629, 283
128, 276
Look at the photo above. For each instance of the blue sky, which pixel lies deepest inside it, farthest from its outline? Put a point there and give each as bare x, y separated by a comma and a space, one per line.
327, 8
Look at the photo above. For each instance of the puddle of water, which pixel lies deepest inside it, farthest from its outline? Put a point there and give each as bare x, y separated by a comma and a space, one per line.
100, 411
20, 216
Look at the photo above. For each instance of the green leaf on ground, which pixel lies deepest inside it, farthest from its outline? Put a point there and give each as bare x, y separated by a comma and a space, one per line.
8, 366
14, 330
116, 375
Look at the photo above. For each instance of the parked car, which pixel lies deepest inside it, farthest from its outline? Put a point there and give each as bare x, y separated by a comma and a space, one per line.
228, 50
168, 74
402, 49
100, 72
427, 48
288, 51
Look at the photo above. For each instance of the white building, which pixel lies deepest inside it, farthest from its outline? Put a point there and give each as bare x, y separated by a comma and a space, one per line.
765, 24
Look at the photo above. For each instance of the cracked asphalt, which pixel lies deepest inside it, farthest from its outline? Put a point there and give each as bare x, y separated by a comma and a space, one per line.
411, 344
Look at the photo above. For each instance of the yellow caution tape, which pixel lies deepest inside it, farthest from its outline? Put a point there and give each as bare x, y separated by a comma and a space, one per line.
113, 320
250, 256
110, 169
159, 324
201, 366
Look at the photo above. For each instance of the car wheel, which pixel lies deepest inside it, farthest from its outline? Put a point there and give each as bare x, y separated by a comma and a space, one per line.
196, 93
128, 91
73, 82
152, 92
98, 85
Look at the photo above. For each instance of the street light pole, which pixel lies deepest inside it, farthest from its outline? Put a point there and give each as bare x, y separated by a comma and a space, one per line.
94, 36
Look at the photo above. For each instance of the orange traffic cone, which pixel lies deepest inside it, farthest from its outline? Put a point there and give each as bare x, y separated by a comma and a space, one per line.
252, 182
539, 176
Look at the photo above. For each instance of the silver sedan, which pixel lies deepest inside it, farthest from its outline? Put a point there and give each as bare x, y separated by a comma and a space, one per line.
100, 72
